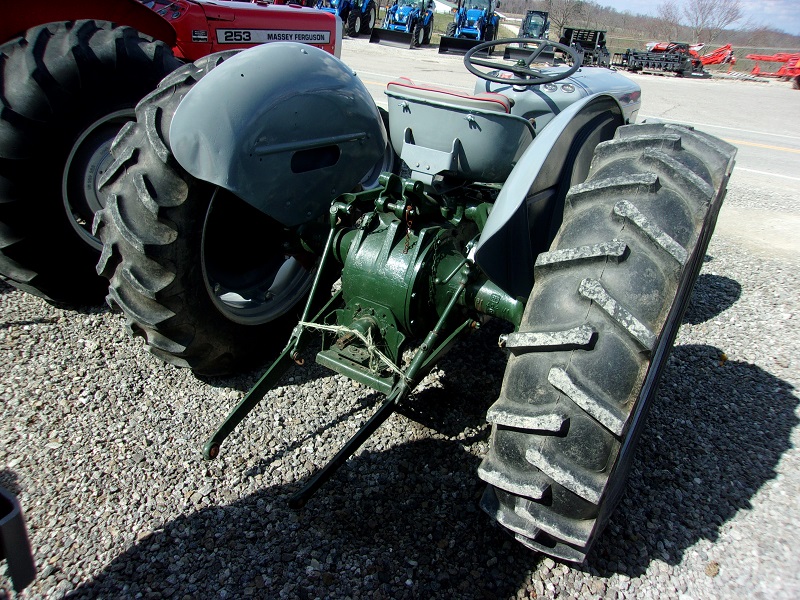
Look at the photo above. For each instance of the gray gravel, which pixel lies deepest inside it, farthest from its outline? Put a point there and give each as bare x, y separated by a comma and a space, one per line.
102, 444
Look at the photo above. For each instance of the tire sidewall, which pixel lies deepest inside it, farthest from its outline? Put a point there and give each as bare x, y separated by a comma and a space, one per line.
75, 73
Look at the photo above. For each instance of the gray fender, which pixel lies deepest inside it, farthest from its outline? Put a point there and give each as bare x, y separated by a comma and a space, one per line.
286, 127
527, 212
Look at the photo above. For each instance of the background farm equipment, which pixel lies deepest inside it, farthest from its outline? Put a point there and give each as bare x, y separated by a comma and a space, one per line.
590, 44
475, 21
408, 24
536, 26
358, 16
71, 75
721, 56
202, 28
532, 203
789, 70
664, 57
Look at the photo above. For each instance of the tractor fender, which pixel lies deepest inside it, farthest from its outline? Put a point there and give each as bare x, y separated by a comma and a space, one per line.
18, 17
286, 127
527, 212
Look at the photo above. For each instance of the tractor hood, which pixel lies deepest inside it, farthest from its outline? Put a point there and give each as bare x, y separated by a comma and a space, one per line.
284, 126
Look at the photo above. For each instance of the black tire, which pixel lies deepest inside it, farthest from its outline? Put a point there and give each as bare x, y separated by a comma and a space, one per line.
200, 274
599, 324
489, 33
451, 30
417, 35
796, 82
368, 19
353, 22
428, 33
66, 90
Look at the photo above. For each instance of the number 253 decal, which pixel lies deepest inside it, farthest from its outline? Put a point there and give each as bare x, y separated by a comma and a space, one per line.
233, 35
262, 36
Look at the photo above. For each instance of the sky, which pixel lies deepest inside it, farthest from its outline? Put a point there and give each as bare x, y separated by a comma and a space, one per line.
783, 15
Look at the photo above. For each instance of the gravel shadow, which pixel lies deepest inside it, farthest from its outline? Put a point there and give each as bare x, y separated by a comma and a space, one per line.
41, 321
713, 294
402, 524
295, 375
403, 521
714, 436
10, 481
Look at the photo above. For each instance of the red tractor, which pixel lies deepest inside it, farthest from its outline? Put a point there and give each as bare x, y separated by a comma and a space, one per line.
71, 74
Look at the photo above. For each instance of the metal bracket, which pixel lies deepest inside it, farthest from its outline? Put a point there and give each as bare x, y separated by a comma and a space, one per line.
426, 163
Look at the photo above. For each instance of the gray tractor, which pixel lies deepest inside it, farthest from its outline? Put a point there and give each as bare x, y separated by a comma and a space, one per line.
235, 224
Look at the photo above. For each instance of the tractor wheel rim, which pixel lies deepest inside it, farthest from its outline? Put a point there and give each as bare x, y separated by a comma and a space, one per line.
247, 292
87, 161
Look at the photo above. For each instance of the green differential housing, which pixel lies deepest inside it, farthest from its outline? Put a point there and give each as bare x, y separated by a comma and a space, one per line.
406, 272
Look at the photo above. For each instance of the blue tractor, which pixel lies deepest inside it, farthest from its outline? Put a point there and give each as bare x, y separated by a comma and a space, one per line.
475, 22
358, 16
408, 23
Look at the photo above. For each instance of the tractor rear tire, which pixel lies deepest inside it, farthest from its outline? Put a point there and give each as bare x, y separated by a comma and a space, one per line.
351, 24
66, 89
417, 35
602, 316
426, 39
200, 274
368, 19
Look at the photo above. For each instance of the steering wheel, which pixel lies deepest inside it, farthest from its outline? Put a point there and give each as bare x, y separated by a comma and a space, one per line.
525, 75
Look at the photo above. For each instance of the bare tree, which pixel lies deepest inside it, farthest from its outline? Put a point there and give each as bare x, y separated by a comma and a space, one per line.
563, 12
708, 18
665, 25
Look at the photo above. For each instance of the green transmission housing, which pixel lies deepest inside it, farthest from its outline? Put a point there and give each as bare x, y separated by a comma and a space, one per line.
405, 265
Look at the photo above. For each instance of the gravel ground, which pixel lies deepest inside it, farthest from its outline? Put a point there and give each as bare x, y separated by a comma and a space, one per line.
102, 444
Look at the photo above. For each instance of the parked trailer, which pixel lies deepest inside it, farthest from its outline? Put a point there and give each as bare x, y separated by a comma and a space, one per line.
590, 43
671, 57
790, 70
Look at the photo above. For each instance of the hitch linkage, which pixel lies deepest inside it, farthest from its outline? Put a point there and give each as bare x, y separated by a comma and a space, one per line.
454, 279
